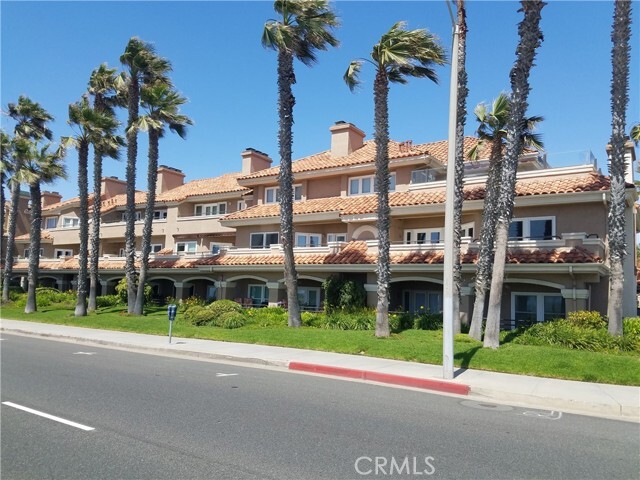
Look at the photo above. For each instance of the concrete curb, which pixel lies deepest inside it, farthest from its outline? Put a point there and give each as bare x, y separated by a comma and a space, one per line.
424, 383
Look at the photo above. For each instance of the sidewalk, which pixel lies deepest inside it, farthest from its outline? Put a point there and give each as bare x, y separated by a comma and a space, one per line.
611, 401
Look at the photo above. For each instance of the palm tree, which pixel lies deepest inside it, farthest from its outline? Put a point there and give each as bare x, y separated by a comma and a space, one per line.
461, 118
91, 128
493, 132
31, 123
143, 66
5, 166
40, 166
617, 202
106, 96
635, 133
163, 109
304, 27
399, 54
530, 38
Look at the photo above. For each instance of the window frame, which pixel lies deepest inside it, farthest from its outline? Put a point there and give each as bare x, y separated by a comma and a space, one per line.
138, 216
428, 232
430, 174
64, 251
160, 214
46, 223
186, 242
154, 245
526, 227
372, 183
264, 239
297, 188
329, 235
464, 229
212, 246
307, 237
540, 296
304, 301
27, 250
241, 205
264, 295
203, 207
74, 220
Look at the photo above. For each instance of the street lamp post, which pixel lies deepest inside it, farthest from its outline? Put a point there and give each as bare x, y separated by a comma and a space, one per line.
447, 297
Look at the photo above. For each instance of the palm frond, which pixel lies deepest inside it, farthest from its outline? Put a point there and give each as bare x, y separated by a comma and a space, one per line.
351, 75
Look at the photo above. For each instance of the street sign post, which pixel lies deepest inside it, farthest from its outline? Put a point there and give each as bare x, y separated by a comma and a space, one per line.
171, 312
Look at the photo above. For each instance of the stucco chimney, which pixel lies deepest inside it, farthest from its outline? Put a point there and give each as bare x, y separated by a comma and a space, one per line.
254, 160
629, 159
49, 198
345, 139
168, 178
112, 186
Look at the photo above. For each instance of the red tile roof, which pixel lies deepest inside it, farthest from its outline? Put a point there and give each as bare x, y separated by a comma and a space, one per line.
227, 183
357, 205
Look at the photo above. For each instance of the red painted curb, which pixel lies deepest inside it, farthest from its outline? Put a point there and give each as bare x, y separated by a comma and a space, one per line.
426, 383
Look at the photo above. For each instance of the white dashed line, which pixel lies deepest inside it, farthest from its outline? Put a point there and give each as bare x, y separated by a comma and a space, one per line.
50, 417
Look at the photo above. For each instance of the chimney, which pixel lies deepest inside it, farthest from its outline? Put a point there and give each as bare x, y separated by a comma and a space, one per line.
345, 139
168, 178
112, 186
629, 159
49, 198
254, 160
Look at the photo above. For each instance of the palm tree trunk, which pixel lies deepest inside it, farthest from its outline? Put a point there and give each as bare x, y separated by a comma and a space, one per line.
617, 203
286, 101
487, 236
147, 230
83, 192
381, 137
2, 200
34, 251
11, 241
530, 39
492, 331
130, 232
94, 255
458, 186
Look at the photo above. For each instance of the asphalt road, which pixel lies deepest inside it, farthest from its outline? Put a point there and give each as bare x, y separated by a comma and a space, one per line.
162, 417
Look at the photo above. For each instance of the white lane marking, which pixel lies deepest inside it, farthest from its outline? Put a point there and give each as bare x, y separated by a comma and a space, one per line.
50, 417
552, 415
225, 374
84, 353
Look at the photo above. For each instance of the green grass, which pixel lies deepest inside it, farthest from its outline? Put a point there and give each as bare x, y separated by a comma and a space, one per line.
411, 345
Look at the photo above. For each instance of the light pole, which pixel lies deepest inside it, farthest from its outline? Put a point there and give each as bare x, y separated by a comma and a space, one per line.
447, 297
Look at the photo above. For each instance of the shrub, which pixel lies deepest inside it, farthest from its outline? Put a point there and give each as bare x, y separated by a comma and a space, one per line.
108, 301
586, 319
220, 307
363, 319
631, 328
190, 302
428, 321
266, 317
230, 320
400, 321
352, 295
121, 291
331, 288
198, 316
312, 319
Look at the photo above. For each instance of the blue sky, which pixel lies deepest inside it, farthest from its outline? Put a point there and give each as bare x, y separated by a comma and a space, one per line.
48, 50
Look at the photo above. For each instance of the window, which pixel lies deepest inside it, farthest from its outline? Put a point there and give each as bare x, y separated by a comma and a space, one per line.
420, 301
156, 247
272, 194
467, 230
186, 247
214, 248
259, 294
309, 297
70, 222
241, 205
308, 239
537, 307
367, 185
336, 237
210, 210
50, 223
138, 216
424, 235
122, 252
423, 175
160, 215
535, 228
264, 240
61, 253
26, 252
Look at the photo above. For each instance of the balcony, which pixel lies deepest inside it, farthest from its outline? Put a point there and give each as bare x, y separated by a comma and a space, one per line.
201, 225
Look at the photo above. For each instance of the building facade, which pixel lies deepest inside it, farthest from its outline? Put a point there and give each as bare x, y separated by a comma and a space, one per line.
219, 237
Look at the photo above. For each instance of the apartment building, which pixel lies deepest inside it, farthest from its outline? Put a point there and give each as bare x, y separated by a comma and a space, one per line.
219, 237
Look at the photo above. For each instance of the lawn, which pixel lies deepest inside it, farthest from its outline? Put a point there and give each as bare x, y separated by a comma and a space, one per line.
412, 345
